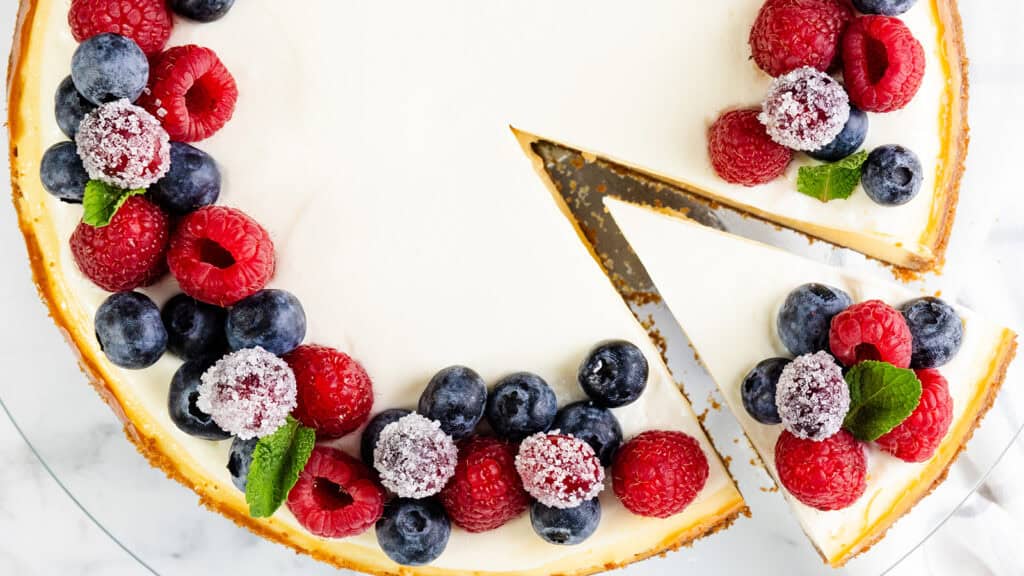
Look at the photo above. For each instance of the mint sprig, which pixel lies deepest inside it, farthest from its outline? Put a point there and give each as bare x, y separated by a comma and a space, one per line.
102, 201
881, 397
277, 461
835, 181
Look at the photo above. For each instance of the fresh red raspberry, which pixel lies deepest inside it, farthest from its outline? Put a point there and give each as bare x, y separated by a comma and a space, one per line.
559, 471
124, 146
883, 64
220, 255
917, 437
871, 330
190, 92
827, 475
335, 497
788, 34
486, 491
659, 473
128, 252
147, 22
742, 152
335, 393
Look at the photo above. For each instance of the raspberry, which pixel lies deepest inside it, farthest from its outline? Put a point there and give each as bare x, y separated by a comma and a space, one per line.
220, 255
486, 491
871, 330
742, 152
659, 473
883, 64
335, 393
248, 393
128, 252
805, 109
147, 22
122, 145
917, 437
826, 475
812, 396
335, 496
559, 471
191, 92
414, 457
788, 34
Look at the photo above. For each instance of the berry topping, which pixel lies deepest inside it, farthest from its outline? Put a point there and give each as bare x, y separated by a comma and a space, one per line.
108, 68
892, 175
335, 496
371, 434
191, 92
335, 394
486, 491
240, 460
70, 107
147, 22
674, 458
181, 403
758, 390
414, 457
883, 64
566, 526
559, 471
271, 319
741, 151
917, 437
614, 374
194, 330
806, 316
128, 252
248, 393
594, 425
937, 331
129, 330
201, 10
789, 34
520, 405
884, 7
871, 330
805, 109
220, 255
193, 181
122, 145
852, 137
413, 532
62, 173
826, 475
812, 397
455, 397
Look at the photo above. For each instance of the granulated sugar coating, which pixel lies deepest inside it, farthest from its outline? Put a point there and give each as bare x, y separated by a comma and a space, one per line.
123, 145
812, 396
559, 471
414, 457
248, 393
805, 109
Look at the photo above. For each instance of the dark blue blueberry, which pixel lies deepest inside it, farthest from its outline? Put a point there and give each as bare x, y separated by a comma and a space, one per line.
758, 390
892, 175
181, 402
884, 7
614, 374
455, 397
521, 404
194, 329
806, 316
70, 107
109, 67
568, 526
413, 532
271, 319
594, 425
202, 10
937, 329
63, 174
193, 181
130, 331
849, 140
372, 432
239, 461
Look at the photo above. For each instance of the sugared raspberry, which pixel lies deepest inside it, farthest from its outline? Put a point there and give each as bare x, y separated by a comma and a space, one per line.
826, 475
220, 255
191, 92
335, 497
805, 109
871, 330
917, 437
414, 457
486, 491
248, 393
335, 393
122, 145
742, 152
147, 22
812, 396
883, 64
128, 252
675, 459
559, 471
788, 34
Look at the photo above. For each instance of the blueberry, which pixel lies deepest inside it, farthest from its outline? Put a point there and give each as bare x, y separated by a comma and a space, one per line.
181, 402
567, 526
130, 331
758, 390
193, 181
892, 175
848, 141
271, 319
109, 67
63, 174
884, 7
194, 329
614, 374
937, 329
413, 532
70, 107
594, 425
239, 461
806, 316
372, 432
521, 404
202, 10
455, 397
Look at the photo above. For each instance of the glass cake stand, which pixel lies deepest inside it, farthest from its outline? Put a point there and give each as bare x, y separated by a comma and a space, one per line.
158, 522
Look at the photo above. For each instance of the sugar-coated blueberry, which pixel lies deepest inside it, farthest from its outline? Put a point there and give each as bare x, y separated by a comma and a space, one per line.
614, 374
884, 7
181, 402
130, 331
892, 175
240, 460
193, 181
456, 397
372, 432
758, 390
566, 526
848, 141
271, 319
70, 107
194, 329
594, 425
521, 404
413, 532
109, 67
806, 317
63, 174
202, 10
937, 330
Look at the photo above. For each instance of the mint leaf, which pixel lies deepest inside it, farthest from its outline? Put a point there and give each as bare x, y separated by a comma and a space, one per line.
881, 397
102, 201
277, 461
832, 181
